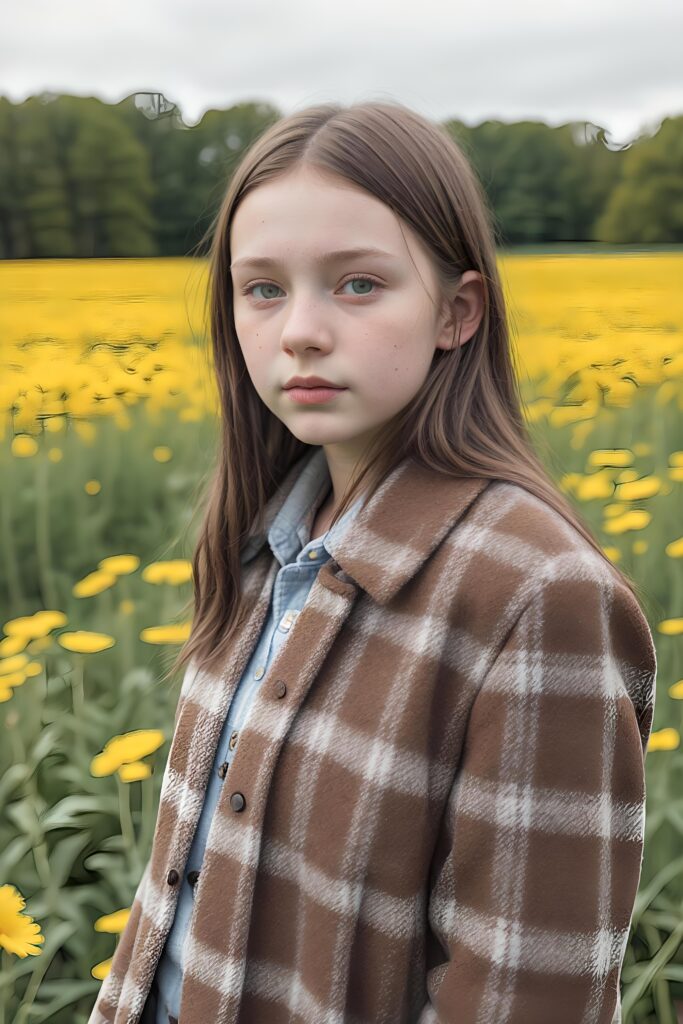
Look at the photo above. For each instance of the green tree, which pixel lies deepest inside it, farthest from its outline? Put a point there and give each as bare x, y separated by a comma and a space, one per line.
646, 204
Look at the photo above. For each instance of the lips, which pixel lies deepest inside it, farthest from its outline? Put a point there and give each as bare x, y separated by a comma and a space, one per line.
311, 382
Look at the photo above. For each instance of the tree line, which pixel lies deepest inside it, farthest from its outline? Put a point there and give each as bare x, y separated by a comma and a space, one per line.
83, 178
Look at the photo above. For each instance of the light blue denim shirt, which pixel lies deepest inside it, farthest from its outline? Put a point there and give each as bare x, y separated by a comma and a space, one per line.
301, 559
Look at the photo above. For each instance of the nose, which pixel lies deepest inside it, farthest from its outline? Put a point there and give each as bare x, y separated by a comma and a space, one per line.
306, 327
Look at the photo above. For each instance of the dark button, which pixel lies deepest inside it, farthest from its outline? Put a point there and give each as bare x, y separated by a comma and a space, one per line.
222, 769
237, 801
233, 741
172, 1020
280, 688
172, 877
192, 877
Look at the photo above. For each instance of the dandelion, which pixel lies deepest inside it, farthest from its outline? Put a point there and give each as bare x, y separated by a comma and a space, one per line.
13, 645
135, 771
675, 548
663, 739
671, 627
93, 583
635, 490
24, 446
31, 627
173, 634
84, 642
610, 457
19, 933
162, 453
11, 665
173, 571
636, 519
119, 565
125, 749
101, 970
113, 923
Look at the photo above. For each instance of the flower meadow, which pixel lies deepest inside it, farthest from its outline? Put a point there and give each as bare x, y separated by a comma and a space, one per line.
107, 431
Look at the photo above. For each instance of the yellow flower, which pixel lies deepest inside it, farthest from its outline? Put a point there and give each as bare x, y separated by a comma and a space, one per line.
671, 627
7, 665
47, 620
31, 627
124, 749
663, 739
23, 446
675, 548
13, 679
634, 490
134, 771
676, 690
19, 933
610, 457
636, 519
175, 571
173, 634
120, 565
597, 485
92, 487
85, 642
162, 453
12, 645
101, 970
113, 923
93, 583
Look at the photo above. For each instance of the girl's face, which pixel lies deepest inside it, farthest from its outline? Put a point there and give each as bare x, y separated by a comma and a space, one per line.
298, 309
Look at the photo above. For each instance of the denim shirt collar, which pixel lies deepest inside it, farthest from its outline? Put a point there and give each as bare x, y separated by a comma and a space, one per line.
289, 532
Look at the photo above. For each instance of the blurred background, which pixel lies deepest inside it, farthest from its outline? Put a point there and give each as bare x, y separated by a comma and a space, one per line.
119, 130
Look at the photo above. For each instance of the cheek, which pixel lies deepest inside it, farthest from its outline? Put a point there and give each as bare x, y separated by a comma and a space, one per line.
391, 359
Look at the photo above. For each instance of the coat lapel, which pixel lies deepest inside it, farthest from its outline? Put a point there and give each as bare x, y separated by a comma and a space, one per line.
400, 526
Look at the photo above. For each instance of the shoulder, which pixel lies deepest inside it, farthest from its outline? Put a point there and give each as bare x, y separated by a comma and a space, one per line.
532, 564
567, 605
525, 533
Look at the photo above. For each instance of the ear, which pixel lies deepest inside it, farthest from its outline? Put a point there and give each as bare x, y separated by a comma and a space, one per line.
462, 311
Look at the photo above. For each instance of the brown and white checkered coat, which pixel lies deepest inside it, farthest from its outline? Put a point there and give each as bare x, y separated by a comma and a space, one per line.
442, 779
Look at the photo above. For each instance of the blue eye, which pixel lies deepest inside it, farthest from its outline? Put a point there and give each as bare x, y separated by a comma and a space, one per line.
265, 284
363, 278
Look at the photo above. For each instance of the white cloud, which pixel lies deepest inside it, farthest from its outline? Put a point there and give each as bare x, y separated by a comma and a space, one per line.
615, 63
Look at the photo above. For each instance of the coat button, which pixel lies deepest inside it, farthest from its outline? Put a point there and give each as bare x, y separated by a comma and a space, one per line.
237, 801
233, 740
172, 877
280, 688
192, 877
222, 769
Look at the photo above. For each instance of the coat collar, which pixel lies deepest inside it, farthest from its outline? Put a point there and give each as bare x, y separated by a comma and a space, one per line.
394, 532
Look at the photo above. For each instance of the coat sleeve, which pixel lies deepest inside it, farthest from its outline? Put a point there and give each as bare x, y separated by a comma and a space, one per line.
538, 859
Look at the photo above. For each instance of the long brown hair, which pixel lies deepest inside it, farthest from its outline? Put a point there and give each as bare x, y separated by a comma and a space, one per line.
466, 419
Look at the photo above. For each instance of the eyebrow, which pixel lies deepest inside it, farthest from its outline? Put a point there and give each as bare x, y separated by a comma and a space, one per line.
329, 257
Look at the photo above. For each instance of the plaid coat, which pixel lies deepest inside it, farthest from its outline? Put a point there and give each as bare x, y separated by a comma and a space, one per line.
436, 808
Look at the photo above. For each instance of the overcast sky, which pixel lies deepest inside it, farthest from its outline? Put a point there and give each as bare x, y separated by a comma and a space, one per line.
617, 63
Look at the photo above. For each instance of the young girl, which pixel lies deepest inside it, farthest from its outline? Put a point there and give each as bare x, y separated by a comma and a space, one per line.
406, 782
